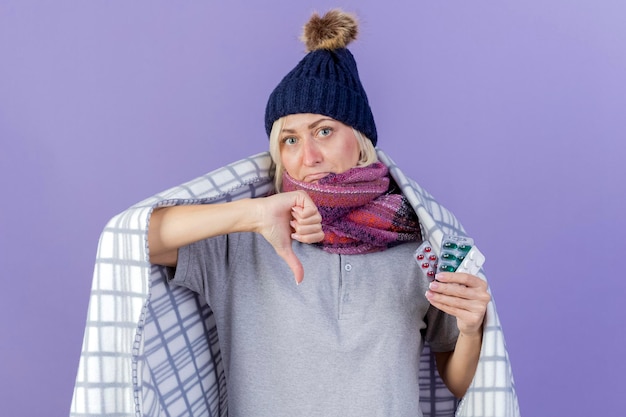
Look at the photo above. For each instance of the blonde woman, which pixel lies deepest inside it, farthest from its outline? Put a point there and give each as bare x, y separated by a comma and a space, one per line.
345, 338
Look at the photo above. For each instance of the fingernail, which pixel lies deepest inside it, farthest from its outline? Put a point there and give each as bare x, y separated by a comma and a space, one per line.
433, 285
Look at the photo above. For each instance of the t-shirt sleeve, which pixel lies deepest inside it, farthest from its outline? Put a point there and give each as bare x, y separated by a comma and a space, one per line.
441, 330
200, 264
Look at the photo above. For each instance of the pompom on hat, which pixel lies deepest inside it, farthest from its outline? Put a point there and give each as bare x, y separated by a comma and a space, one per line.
326, 81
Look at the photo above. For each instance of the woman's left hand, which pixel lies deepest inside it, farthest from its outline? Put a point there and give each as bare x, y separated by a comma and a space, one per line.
463, 296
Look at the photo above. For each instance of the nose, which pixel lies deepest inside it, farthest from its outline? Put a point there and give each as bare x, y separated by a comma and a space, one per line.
311, 153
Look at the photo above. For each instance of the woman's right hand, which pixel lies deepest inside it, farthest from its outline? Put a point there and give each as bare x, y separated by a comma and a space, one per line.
289, 216
279, 218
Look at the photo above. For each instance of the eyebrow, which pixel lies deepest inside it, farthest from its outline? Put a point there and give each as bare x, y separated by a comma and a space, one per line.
311, 126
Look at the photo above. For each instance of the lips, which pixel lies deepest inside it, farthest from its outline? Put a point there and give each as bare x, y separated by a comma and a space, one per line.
315, 177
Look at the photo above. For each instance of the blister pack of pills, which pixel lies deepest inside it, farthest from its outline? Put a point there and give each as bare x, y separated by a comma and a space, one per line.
426, 259
458, 254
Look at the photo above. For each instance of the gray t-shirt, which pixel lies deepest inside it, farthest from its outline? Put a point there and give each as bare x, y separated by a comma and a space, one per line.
346, 342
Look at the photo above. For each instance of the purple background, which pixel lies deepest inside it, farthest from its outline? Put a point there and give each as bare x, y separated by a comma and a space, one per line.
511, 113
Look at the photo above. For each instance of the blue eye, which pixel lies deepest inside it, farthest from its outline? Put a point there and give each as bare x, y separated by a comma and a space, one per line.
325, 131
290, 140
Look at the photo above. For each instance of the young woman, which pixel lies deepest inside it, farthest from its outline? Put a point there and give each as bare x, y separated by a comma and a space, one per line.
347, 339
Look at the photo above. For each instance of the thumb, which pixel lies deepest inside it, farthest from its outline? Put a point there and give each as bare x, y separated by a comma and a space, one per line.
293, 262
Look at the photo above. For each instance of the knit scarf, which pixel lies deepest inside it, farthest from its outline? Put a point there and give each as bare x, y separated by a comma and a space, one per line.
360, 214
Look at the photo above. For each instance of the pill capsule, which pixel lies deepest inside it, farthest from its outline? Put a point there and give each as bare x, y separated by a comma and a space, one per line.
448, 256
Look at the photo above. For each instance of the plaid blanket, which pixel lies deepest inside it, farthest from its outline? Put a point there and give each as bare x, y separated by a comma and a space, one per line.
152, 350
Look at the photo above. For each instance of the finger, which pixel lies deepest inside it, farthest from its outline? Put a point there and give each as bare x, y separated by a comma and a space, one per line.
469, 319
461, 291
461, 278
471, 305
305, 204
312, 238
294, 263
458, 296
305, 229
301, 215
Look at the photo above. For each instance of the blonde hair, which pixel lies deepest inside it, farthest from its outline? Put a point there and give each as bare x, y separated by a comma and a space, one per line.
367, 151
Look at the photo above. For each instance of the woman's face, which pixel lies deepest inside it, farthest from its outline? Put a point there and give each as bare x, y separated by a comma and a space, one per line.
313, 146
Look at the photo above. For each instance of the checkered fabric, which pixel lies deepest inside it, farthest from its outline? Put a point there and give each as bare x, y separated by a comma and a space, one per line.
152, 350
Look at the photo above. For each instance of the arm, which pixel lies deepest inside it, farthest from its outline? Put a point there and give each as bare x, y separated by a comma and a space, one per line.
464, 296
279, 218
457, 368
174, 227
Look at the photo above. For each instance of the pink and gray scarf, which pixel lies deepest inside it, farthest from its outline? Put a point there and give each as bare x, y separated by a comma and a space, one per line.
359, 212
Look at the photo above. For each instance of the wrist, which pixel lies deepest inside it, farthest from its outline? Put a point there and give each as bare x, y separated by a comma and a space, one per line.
249, 215
472, 334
